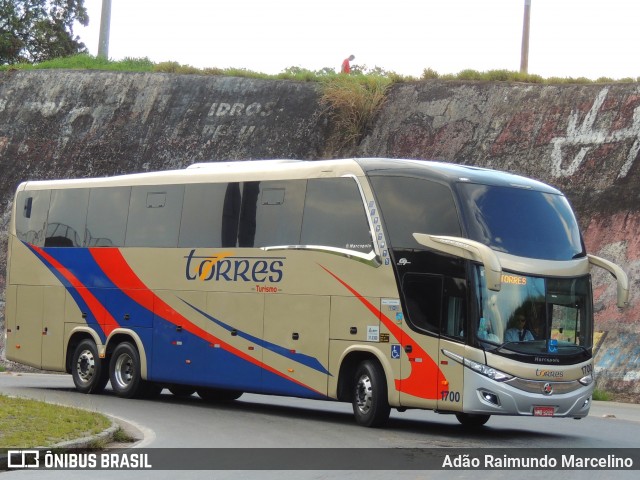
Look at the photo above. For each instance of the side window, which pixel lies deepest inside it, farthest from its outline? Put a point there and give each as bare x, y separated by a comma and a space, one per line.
412, 205
455, 294
270, 213
31, 215
154, 216
202, 215
423, 300
334, 215
107, 217
67, 218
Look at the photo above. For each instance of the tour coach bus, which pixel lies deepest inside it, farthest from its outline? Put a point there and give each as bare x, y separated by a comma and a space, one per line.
384, 283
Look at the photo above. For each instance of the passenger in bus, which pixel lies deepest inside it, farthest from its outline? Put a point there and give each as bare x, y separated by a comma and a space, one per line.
518, 332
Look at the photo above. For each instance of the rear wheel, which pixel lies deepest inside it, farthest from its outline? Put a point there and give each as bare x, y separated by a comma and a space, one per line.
89, 372
370, 401
472, 420
125, 374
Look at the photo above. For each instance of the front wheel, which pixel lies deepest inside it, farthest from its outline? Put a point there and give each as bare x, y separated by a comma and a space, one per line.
472, 420
370, 401
90, 374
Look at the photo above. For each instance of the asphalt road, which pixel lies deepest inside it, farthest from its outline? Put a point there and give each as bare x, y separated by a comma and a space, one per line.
263, 421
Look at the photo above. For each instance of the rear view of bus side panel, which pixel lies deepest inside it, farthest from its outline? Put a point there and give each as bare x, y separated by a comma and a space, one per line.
35, 300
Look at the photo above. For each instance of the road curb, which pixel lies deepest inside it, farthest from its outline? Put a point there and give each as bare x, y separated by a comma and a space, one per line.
86, 442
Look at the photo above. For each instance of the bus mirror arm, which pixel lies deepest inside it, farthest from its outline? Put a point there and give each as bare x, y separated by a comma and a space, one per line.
618, 274
469, 249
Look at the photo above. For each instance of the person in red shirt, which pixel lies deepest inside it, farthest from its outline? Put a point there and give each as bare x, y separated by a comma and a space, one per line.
346, 66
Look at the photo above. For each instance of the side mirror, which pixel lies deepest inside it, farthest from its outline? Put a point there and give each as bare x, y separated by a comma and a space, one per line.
618, 274
469, 249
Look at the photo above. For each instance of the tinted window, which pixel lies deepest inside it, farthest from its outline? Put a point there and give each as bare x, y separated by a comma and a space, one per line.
455, 312
107, 217
31, 216
202, 215
154, 216
270, 213
413, 205
423, 300
521, 222
334, 215
67, 218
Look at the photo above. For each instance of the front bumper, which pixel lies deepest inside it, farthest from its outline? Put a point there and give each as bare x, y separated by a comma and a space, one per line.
520, 397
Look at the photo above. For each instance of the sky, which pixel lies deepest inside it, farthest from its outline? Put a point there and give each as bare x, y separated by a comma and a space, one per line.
568, 38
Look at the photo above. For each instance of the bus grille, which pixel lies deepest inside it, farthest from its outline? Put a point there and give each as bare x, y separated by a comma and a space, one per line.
536, 386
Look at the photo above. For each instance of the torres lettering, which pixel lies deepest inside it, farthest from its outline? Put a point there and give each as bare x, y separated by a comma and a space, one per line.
224, 267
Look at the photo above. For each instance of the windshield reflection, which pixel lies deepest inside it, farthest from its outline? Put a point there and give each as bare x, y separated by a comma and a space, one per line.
535, 315
495, 217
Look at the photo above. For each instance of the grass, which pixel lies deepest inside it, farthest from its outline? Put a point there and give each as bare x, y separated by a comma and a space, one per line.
602, 395
352, 102
30, 423
89, 62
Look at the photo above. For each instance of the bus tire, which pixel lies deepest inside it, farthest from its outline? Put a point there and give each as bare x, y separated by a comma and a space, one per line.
124, 372
218, 395
472, 420
90, 374
370, 401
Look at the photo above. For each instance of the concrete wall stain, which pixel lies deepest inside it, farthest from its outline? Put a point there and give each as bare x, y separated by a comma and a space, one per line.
583, 139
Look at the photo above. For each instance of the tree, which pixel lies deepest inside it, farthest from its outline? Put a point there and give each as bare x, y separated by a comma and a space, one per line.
37, 30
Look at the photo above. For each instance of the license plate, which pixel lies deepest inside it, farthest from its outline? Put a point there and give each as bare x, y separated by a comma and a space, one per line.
543, 411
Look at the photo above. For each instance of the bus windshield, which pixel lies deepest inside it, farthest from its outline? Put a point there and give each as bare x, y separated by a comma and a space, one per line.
522, 222
536, 315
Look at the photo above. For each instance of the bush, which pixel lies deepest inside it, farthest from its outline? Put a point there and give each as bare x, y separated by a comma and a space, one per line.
352, 101
175, 67
469, 74
601, 395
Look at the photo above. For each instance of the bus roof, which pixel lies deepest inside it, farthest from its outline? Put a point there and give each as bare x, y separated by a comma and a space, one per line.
285, 169
451, 173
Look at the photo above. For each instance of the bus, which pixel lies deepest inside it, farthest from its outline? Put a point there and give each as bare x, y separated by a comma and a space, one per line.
386, 283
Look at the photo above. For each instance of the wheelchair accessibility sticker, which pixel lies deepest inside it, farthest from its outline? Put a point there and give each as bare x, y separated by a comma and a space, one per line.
395, 351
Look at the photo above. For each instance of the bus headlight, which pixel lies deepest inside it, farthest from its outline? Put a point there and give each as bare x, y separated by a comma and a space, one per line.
487, 371
480, 368
587, 380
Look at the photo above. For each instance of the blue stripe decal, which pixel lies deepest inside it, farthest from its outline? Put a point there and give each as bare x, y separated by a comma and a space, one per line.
91, 320
81, 264
301, 358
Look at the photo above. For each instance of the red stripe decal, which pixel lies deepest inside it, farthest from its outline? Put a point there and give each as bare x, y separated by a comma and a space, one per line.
422, 381
101, 314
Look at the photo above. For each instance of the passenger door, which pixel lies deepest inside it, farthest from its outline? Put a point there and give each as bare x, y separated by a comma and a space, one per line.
452, 332
422, 294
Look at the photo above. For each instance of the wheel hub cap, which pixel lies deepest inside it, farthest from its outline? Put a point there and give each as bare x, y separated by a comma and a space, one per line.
86, 366
364, 398
124, 370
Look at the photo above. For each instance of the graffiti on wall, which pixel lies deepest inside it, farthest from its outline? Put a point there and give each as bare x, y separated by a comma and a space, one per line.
586, 136
235, 118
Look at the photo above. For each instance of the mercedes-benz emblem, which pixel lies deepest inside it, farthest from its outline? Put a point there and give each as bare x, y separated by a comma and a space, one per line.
547, 389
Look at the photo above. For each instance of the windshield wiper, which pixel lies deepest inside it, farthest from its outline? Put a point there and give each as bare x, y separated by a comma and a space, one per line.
584, 349
500, 347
